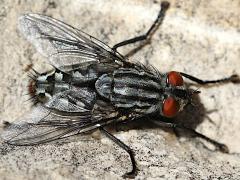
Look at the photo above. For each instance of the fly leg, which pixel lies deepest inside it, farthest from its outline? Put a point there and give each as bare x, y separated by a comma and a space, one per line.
219, 146
133, 172
151, 30
233, 78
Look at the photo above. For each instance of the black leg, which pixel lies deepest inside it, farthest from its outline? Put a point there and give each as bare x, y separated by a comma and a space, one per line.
233, 78
152, 29
219, 146
133, 172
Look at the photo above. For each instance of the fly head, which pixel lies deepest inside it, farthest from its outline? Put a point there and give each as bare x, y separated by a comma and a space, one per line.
175, 95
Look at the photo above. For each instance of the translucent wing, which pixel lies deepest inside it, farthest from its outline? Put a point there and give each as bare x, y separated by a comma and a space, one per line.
42, 125
26, 130
66, 113
66, 47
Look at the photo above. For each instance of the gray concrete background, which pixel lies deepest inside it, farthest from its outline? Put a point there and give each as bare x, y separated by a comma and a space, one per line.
201, 38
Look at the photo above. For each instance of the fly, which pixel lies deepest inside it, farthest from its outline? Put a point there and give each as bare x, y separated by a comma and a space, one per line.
92, 85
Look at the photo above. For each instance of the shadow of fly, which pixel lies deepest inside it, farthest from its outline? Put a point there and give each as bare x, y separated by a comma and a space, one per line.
92, 86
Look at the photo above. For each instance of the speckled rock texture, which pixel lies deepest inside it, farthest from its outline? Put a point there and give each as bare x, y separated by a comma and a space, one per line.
201, 38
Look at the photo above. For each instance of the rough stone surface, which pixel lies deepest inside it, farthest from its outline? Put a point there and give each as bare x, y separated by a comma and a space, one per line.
201, 38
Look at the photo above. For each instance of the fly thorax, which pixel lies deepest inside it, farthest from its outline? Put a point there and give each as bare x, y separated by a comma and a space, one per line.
128, 88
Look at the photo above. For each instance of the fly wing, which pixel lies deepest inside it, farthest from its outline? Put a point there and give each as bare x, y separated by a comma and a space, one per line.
64, 114
66, 47
43, 125
38, 126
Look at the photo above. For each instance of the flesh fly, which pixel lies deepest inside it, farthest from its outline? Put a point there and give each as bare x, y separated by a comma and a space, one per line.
92, 85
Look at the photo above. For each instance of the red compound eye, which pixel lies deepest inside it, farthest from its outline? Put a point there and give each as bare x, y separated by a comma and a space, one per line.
170, 107
175, 78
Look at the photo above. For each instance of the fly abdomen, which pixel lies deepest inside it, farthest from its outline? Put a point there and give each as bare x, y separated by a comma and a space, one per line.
52, 83
129, 88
